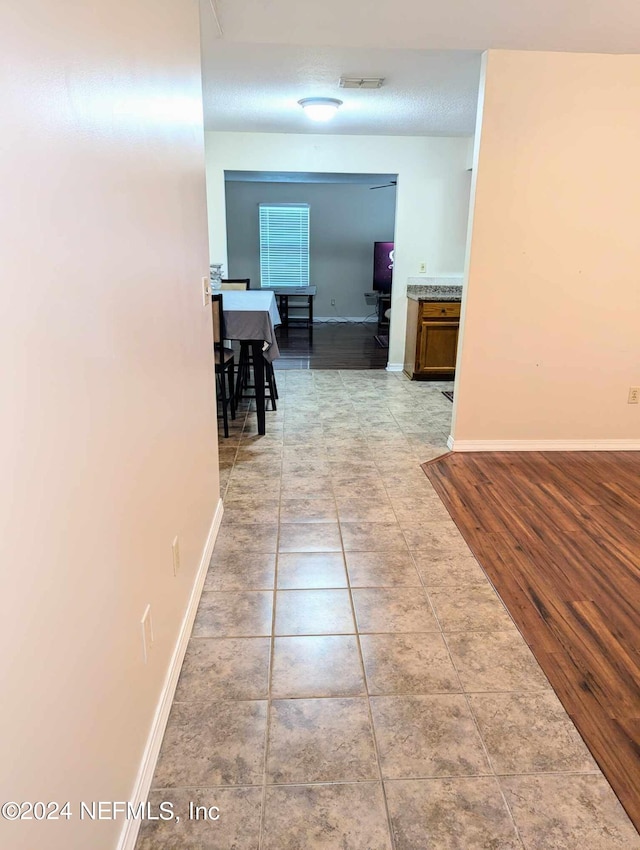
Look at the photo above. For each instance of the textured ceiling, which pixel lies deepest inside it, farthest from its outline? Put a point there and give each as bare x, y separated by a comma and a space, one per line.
261, 56
257, 89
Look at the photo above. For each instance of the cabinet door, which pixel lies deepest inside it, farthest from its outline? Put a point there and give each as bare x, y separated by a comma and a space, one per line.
437, 346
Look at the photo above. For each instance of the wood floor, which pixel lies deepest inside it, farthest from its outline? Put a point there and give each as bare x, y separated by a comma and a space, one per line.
332, 346
559, 535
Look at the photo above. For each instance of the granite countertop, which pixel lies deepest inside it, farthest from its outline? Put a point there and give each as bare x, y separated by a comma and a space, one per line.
434, 292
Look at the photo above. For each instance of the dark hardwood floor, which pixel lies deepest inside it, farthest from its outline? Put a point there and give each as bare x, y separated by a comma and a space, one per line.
559, 536
332, 346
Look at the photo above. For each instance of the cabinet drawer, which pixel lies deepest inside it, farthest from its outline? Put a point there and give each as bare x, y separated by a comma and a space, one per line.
440, 309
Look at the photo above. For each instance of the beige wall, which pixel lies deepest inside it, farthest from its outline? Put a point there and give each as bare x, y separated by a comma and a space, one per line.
552, 314
432, 197
107, 431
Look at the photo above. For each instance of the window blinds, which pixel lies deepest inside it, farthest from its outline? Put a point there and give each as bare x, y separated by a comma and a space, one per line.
284, 244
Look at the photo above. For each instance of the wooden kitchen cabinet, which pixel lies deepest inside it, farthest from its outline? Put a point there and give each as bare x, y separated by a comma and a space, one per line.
432, 339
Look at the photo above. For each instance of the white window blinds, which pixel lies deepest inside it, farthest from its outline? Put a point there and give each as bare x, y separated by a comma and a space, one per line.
284, 244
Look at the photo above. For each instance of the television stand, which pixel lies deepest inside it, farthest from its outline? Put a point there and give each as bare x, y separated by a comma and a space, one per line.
384, 303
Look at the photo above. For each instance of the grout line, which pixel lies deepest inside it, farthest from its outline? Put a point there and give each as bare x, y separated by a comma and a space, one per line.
368, 696
482, 741
206, 787
263, 810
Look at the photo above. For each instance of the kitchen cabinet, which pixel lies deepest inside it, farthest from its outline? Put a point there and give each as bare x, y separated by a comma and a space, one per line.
432, 339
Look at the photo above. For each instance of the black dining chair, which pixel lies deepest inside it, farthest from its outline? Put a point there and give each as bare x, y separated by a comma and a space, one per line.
224, 361
239, 283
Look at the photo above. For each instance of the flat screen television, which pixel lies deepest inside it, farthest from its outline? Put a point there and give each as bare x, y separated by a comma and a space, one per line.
382, 266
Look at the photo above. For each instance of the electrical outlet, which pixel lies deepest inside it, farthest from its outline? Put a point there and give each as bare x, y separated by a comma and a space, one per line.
206, 291
423, 268
175, 548
147, 632
634, 395
333, 302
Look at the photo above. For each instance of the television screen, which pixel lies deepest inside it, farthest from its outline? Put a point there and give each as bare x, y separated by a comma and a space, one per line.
382, 266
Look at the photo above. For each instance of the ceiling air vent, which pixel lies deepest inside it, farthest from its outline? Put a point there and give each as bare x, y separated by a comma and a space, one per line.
361, 82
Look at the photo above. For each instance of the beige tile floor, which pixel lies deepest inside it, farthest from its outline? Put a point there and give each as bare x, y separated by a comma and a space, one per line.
353, 682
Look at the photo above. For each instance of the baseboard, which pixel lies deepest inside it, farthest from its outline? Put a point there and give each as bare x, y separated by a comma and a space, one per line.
543, 445
344, 319
144, 778
395, 367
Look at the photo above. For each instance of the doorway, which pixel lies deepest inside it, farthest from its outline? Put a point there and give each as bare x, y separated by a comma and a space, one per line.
347, 215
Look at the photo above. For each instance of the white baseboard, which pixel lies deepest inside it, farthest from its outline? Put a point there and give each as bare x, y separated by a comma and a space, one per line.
140, 793
344, 319
543, 445
395, 367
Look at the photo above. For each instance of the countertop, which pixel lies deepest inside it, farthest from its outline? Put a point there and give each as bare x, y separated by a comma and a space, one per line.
434, 292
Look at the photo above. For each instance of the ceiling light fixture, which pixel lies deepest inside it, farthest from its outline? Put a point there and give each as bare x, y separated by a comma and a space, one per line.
320, 108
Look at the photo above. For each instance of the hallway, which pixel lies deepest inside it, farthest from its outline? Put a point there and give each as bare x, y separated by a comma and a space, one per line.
353, 682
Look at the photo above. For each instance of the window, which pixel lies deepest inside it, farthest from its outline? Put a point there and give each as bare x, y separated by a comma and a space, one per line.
284, 244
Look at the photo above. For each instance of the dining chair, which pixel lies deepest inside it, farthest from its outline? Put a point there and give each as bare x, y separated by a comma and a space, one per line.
224, 363
239, 283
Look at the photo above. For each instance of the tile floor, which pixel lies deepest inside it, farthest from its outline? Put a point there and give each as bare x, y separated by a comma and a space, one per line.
353, 682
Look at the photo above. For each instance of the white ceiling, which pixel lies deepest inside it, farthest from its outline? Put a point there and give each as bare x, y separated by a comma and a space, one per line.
257, 89
261, 56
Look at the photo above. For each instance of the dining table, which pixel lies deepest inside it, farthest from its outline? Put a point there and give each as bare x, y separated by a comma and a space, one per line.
251, 316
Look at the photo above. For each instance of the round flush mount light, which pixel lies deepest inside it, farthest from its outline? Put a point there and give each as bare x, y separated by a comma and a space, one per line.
320, 108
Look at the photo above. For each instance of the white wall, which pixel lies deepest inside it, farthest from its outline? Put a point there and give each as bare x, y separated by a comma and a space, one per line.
345, 220
431, 202
550, 344
107, 433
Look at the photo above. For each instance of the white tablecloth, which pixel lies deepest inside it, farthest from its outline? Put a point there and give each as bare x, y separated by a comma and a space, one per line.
252, 314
